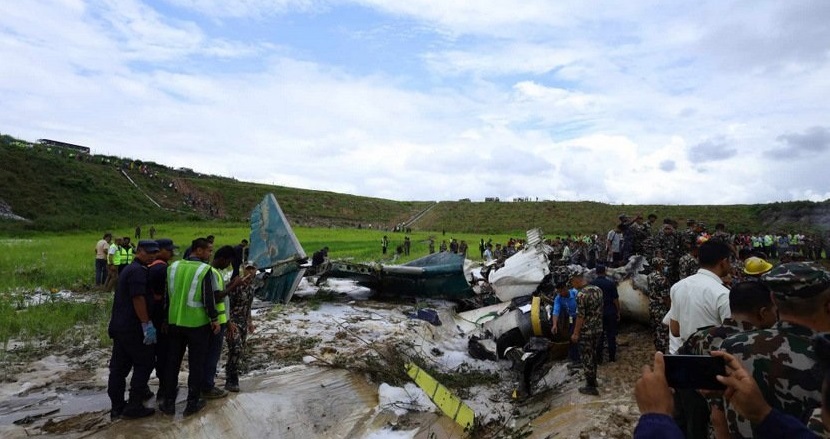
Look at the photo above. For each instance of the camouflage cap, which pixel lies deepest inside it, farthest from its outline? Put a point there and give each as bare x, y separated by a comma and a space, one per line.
797, 280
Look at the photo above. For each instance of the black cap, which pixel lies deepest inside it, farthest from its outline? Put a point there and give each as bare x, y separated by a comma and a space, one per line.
166, 244
148, 245
600, 269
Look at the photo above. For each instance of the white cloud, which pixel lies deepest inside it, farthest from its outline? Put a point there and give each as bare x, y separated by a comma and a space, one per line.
556, 100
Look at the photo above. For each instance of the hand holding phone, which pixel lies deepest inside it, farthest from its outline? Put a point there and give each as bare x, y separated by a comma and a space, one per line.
694, 371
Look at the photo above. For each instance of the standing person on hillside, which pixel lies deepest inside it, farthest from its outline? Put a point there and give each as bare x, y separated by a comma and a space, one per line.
101, 249
431, 245
384, 244
587, 328
138, 232
610, 314
406, 245
157, 284
192, 318
462, 248
241, 299
133, 335
152, 232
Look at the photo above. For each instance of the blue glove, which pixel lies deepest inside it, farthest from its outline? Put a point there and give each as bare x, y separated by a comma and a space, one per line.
149, 333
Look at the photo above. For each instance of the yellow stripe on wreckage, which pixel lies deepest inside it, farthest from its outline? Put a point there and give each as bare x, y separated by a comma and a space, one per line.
450, 405
535, 315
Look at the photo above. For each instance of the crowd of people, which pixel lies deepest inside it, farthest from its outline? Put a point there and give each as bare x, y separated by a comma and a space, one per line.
758, 301
163, 308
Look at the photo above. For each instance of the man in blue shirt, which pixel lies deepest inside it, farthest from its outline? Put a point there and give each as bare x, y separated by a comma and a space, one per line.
610, 313
564, 306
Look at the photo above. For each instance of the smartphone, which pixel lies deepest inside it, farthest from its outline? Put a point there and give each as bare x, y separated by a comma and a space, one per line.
694, 371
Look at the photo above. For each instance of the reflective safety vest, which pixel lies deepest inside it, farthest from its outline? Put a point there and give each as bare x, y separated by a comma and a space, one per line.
114, 247
222, 306
184, 286
123, 256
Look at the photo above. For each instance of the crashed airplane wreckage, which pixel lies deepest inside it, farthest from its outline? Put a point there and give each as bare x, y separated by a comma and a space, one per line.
274, 249
518, 328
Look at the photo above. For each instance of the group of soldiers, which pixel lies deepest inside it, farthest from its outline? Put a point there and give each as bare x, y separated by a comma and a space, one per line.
163, 308
720, 293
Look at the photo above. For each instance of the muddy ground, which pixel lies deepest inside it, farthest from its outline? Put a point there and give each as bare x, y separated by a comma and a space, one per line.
316, 368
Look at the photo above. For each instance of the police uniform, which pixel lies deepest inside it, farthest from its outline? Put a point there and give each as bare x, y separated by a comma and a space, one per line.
782, 359
129, 351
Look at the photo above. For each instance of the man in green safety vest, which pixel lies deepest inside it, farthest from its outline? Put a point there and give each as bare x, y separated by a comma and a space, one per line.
124, 254
192, 318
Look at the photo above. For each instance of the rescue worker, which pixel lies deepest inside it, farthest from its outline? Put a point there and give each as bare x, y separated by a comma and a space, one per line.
133, 336
192, 318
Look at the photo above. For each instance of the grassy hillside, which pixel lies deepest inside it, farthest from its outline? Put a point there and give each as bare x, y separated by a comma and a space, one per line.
59, 191
562, 217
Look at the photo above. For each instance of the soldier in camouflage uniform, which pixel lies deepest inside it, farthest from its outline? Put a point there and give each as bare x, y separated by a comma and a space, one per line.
668, 245
688, 236
688, 265
782, 359
648, 236
658, 304
588, 328
241, 299
752, 308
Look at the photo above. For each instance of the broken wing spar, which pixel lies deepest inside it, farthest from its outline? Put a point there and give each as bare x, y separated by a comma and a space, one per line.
274, 246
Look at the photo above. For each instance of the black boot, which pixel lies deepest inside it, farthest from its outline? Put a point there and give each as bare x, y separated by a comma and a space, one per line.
194, 406
590, 388
135, 409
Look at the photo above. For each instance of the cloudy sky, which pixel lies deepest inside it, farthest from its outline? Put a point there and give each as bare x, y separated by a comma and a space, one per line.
708, 102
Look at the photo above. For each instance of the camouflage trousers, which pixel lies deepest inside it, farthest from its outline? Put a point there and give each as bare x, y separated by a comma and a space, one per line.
661, 331
588, 344
236, 350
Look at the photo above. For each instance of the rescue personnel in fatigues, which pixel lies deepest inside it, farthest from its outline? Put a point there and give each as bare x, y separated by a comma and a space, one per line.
659, 300
587, 328
133, 336
241, 300
192, 318
222, 260
783, 356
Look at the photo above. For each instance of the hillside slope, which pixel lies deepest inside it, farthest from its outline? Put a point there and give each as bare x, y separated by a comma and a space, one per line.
58, 190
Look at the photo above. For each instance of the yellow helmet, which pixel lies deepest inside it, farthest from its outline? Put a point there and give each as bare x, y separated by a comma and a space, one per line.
755, 266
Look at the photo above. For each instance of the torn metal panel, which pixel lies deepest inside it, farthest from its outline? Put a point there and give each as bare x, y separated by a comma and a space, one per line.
274, 247
523, 272
439, 275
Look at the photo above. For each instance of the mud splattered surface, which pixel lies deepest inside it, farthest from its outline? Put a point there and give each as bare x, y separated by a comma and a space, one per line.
307, 345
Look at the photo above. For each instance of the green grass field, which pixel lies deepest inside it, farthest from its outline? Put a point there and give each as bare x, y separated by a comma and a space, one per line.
51, 262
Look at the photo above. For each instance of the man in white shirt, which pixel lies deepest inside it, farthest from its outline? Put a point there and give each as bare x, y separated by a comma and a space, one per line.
101, 250
701, 299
